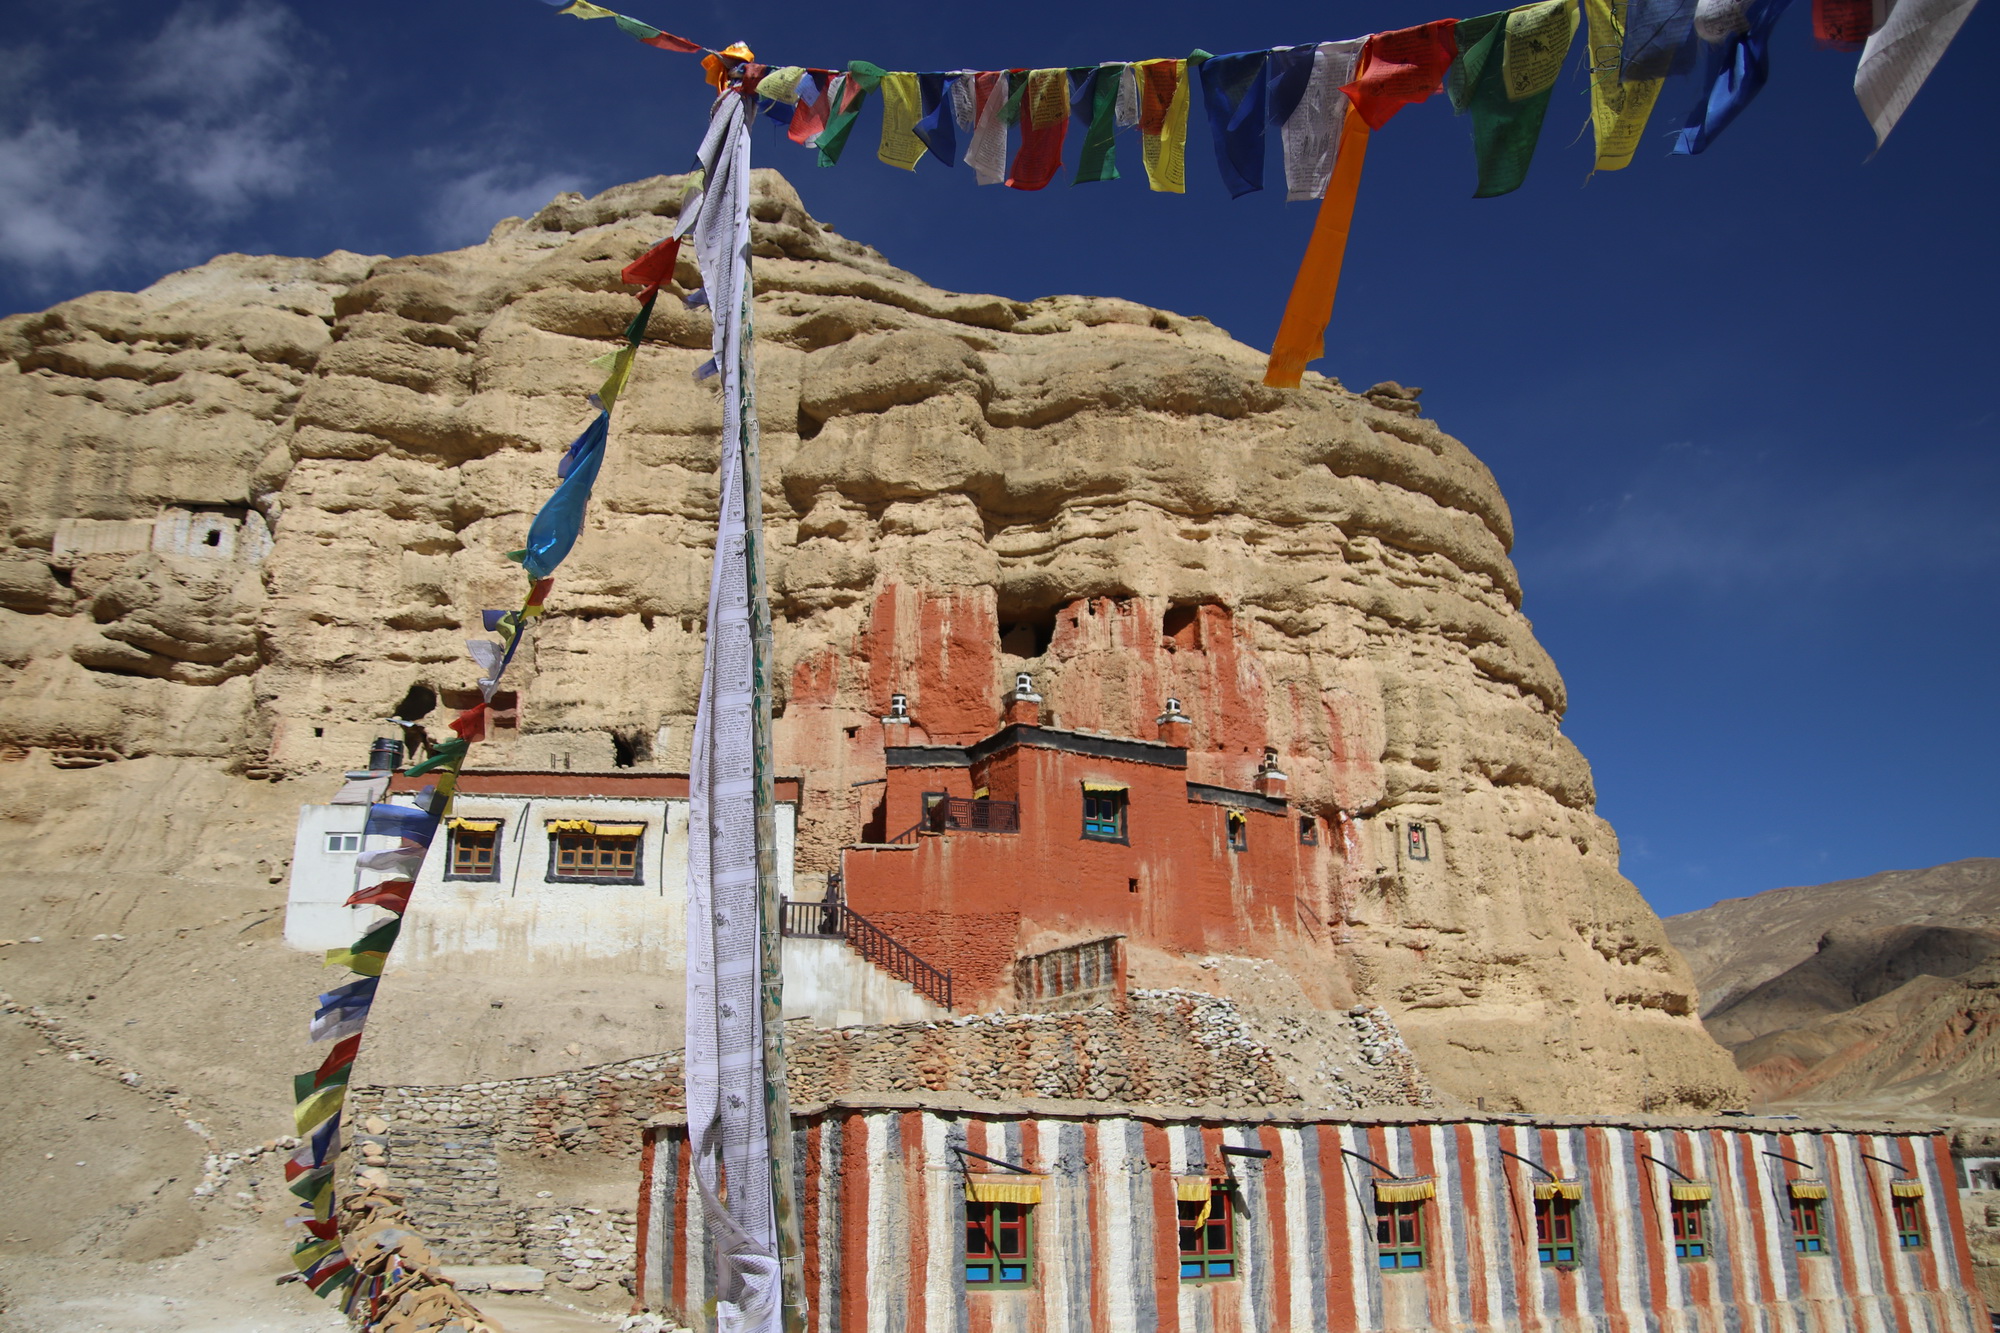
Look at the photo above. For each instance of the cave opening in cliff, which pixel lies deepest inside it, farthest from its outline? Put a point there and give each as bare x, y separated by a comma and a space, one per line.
1028, 635
1180, 628
417, 702
631, 746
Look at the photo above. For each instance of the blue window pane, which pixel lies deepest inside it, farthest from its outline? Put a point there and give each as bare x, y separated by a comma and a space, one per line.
1547, 1255
1190, 1270
1680, 1251
978, 1273
1385, 1261
1012, 1273
1697, 1251
1222, 1268
1413, 1261
1565, 1256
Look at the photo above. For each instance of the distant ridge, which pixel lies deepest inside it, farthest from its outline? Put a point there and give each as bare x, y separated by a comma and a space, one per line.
1879, 994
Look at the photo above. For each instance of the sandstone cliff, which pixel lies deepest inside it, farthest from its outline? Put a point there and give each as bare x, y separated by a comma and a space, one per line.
258, 506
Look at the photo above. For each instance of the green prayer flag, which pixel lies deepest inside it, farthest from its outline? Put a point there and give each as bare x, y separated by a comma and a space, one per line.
1527, 44
1478, 41
441, 755
634, 28
1010, 110
840, 123
1098, 158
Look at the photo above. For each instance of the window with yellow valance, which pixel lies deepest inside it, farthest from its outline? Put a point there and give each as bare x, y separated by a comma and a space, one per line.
1405, 1191
1003, 1189
600, 828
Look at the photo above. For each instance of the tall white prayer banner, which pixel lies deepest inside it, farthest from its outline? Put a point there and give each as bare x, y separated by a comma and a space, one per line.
733, 1091
1901, 55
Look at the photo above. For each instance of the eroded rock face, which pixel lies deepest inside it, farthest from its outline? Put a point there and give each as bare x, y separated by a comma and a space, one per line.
957, 487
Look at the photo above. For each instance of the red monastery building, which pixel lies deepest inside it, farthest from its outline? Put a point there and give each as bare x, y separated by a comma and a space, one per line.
1074, 835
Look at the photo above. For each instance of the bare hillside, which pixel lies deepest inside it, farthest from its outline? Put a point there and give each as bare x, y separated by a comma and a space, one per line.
1879, 994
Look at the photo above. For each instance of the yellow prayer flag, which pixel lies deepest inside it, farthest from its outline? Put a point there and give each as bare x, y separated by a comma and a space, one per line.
583, 9
1166, 152
901, 109
1618, 110
1538, 38
782, 85
621, 371
314, 1110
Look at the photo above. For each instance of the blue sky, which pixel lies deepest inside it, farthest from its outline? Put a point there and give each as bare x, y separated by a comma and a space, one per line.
1741, 404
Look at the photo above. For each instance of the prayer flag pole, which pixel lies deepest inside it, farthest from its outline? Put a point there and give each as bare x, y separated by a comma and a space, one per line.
739, 1110
770, 925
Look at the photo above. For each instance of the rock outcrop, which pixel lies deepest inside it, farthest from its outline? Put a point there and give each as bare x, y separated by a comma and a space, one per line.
259, 506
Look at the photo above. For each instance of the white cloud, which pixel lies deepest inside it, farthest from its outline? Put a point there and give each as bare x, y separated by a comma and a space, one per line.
468, 205
1720, 520
52, 212
186, 130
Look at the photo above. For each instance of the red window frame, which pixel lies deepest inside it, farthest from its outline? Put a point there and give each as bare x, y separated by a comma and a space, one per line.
1808, 1227
1689, 1220
1208, 1250
1909, 1215
1399, 1235
1555, 1230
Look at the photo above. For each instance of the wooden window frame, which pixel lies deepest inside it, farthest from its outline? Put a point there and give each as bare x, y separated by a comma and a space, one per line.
1103, 827
1392, 1253
1687, 1223
1236, 830
1209, 1250
986, 1225
637, 874
1909, 1218
451, 868
1555, 1232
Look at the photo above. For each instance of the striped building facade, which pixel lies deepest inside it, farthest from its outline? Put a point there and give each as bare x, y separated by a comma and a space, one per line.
1326, 1226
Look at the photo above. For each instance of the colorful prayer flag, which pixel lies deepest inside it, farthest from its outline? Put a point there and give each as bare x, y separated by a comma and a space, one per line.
1401, 67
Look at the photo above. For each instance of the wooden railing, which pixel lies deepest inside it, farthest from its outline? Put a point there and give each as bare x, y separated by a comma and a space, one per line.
958, 812
835, 920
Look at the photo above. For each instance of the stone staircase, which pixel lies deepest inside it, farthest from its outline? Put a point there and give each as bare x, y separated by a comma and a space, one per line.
841, 970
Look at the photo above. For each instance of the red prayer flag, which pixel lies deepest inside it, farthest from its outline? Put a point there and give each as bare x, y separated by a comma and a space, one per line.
1401, 67
1844, 25
391, 894
340, 1057
1156, 94
1044, 123
655, 268
666, 41
809, 118
471, 724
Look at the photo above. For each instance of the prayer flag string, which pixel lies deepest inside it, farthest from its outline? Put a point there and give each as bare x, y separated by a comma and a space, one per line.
320, 1096
1502, 69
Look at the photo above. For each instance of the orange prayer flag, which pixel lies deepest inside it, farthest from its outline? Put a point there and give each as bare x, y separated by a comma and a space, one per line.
1302, 332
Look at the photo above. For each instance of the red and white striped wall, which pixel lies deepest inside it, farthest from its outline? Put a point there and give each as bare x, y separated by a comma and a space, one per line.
882, 1192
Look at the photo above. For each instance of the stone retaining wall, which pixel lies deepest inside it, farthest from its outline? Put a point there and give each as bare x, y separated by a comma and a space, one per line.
446, 1149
